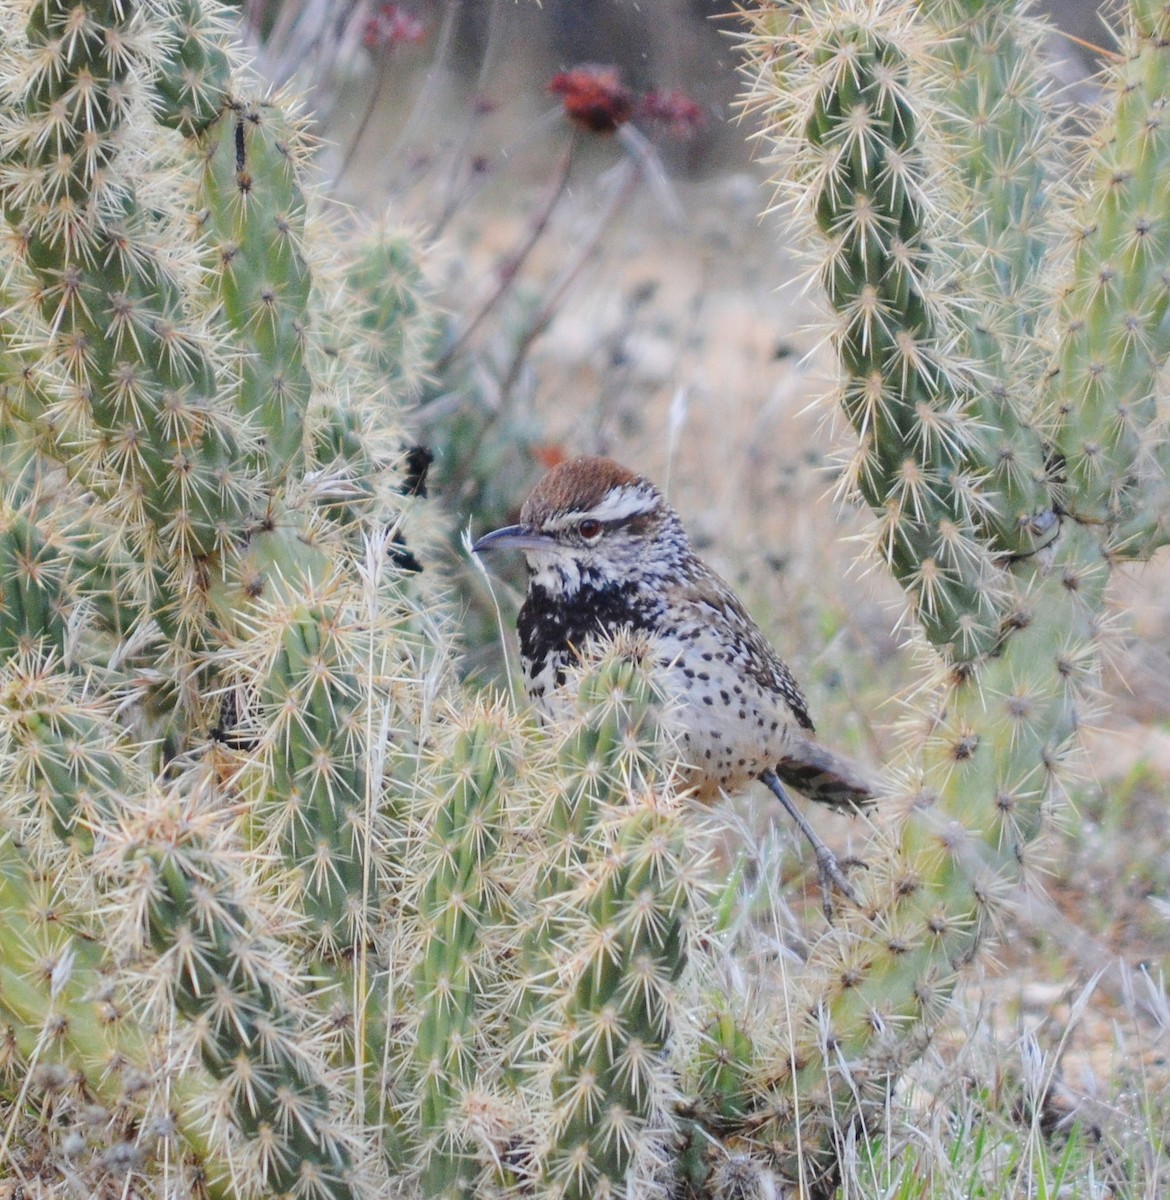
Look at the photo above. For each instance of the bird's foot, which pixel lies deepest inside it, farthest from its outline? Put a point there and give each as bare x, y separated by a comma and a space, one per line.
828, 867
832, 877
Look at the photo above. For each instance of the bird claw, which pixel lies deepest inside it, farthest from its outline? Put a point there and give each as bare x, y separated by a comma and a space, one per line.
829, 869
831, 876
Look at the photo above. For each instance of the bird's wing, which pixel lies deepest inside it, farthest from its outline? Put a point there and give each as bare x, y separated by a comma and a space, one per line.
753, 653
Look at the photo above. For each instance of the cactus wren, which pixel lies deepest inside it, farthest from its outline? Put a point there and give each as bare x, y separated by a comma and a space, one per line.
605, 552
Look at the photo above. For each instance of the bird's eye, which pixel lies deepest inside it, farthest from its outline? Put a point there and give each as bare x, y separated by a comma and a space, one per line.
589, 529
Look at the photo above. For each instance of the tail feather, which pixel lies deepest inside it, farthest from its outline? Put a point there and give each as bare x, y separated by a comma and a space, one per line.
826, 777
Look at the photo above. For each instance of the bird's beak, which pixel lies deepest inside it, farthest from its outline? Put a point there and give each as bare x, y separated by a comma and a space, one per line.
513, 537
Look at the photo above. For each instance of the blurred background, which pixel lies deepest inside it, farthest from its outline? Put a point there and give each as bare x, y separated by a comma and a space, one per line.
607, 291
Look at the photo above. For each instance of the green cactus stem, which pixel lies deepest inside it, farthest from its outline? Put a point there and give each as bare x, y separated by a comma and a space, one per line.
192, 80
461, 912
615, 892
399, 327
922, 464
994, 117
36, 570
253, 218
252, 1039
141, 417
1114, 315
291, 702
900, 393
64, 1020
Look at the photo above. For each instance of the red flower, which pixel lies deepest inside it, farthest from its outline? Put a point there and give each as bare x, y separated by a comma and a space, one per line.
674, 109
392, 26
594, 97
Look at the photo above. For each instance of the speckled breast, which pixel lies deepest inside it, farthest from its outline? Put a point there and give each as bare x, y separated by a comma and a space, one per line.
729, 727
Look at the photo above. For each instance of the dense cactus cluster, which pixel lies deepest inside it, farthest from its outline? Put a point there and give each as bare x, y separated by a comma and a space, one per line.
962, 353
619, 889
156, 402
287, 909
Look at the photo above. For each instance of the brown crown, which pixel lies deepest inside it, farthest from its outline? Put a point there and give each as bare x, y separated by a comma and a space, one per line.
575, 486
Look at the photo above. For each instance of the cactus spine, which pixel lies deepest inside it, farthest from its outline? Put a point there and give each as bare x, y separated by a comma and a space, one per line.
612, 941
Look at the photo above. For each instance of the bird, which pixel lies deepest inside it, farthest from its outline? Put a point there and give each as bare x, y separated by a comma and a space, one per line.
605, 553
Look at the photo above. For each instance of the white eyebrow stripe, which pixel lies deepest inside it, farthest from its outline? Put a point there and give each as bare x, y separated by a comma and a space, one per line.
618, 504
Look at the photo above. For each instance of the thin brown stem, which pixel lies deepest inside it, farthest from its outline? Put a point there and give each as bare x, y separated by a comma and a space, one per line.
425, 101
363, 124
459, 153
633, 173
509, 269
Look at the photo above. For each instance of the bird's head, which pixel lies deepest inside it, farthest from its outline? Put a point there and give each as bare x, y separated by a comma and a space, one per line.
590, 521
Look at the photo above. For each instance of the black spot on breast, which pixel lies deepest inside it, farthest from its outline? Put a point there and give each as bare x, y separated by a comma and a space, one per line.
557, 627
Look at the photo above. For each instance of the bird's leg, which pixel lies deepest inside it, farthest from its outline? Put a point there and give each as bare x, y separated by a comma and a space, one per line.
830, 871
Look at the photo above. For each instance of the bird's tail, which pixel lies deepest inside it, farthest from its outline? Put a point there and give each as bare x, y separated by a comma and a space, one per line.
826, 777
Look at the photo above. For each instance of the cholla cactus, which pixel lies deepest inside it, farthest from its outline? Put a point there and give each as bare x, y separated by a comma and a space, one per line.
1004, 480
156, 465
380, 936
558, 878
616, 890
